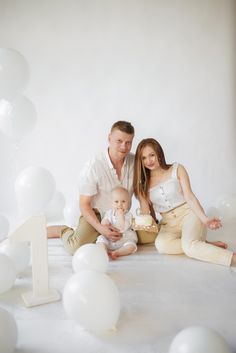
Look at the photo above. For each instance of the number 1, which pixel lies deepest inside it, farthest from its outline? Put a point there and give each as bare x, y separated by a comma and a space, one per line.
34, 231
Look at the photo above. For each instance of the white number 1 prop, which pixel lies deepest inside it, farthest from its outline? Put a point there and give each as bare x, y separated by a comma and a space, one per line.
34, 231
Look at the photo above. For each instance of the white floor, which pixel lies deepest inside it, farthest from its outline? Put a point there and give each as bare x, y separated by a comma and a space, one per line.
160, 295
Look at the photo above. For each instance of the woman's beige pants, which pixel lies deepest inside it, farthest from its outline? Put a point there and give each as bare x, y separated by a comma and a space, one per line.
183, 232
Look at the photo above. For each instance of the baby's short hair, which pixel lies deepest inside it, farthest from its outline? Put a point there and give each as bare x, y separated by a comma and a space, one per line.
120, 188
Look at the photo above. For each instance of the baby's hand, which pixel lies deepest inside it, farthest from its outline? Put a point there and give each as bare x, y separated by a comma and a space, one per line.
120, 211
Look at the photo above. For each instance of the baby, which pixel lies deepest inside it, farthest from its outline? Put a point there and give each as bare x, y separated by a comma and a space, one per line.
120, 217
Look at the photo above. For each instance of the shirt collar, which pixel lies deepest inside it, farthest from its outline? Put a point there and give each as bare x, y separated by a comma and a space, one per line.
109, 160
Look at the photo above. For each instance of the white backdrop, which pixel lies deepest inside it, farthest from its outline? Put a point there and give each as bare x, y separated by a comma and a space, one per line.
168, 66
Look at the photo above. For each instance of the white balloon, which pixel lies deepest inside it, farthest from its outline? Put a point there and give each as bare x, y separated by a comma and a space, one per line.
8, 332
35, 187
19, 252
90, 257
196, 339
54, 210
91, 299
7, 273
4, 227
212, 212
227, 207
17, 118
14, 73
72, 213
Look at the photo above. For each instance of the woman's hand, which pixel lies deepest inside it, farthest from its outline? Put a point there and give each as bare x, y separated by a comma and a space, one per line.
213, 223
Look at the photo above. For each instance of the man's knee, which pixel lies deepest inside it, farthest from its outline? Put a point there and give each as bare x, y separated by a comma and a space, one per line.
74, 239
69, 241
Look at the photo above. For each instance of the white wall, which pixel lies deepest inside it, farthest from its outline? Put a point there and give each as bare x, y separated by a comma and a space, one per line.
168, 66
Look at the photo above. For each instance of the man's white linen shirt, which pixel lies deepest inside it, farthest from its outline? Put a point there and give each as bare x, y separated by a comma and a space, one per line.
99, 177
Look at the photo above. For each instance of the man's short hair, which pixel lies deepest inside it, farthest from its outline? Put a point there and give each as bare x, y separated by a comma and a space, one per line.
124, 126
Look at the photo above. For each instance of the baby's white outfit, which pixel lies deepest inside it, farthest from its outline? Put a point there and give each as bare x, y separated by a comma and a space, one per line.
129, 236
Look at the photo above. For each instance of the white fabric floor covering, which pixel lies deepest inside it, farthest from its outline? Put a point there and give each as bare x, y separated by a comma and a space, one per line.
160, 295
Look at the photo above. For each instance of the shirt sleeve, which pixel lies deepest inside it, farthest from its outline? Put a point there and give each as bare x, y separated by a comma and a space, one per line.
88, 180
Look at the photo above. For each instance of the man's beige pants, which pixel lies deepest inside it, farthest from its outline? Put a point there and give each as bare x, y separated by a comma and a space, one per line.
83, 234
183, 232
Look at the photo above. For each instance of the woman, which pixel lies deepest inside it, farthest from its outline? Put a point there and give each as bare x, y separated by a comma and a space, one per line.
165, 188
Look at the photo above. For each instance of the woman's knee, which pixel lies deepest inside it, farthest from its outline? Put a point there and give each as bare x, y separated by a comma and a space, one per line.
190, 247
169, 246
162, 246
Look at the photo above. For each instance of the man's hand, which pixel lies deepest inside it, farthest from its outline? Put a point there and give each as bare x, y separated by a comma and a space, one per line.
110, 232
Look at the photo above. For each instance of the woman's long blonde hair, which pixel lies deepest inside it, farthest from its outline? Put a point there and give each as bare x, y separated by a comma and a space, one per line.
142, 174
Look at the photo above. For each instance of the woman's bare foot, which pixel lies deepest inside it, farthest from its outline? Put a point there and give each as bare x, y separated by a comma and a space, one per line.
220, 244
233, 263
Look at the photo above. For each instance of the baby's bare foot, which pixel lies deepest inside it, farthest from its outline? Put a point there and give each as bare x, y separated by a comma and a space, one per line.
113, 255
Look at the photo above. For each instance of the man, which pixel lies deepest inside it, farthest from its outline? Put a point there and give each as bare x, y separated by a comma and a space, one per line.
100, 175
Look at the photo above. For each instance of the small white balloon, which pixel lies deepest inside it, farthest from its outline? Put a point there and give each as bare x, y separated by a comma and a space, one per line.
71, 213
14, 73
4, 227
226, 205
19, 252
17, 118
8, 332
90, 257
92, 300
55, 207
35, 187
212, 212
196, 339
7, 273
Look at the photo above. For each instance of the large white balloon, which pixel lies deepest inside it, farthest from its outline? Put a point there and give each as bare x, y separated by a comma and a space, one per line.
226, 205
90, 257
55, 207
17, 118
91, 299
14, 73
35, 187
196, 339
4, 227
19, 252
7, 273
8, 332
